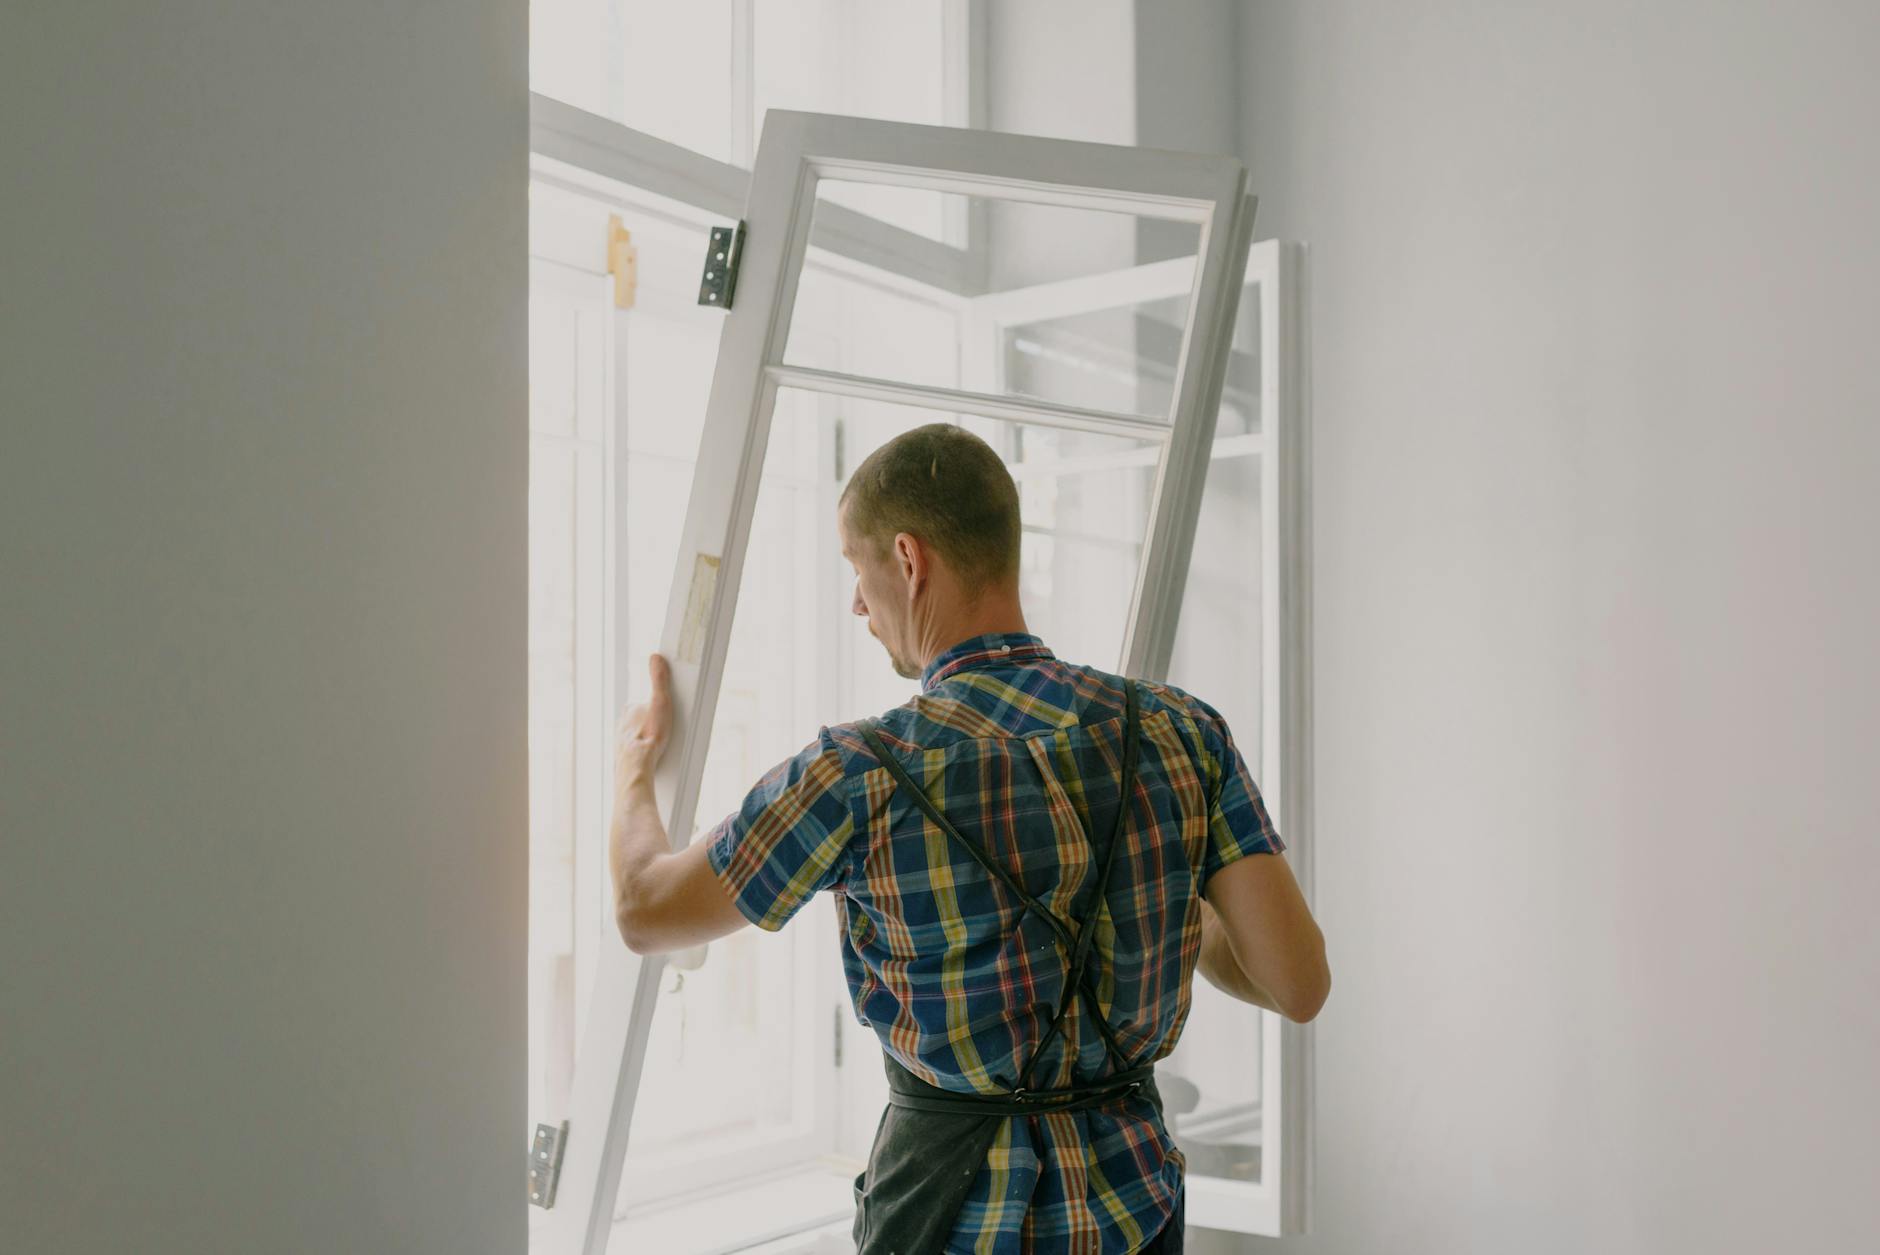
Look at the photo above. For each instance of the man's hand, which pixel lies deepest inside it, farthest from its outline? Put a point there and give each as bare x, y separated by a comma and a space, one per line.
644, 729
662, 901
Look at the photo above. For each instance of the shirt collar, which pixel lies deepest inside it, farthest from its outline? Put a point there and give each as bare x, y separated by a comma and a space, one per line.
991, 649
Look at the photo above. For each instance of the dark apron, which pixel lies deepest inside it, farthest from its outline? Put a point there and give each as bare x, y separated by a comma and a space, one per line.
932, 1142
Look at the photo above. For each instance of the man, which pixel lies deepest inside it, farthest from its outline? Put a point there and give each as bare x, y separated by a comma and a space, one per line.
1021, 942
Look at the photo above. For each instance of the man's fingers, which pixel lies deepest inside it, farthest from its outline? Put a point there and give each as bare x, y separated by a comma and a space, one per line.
662, 688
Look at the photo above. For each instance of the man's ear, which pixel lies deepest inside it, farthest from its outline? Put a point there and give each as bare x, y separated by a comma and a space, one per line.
911, 556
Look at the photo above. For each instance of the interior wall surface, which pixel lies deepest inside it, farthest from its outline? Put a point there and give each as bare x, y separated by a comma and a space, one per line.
262, 687
1596, 602
1062, 70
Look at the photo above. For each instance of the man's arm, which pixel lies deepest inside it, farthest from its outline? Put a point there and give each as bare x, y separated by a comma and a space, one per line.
1218, 964
1259, 941
762, 864
662, 900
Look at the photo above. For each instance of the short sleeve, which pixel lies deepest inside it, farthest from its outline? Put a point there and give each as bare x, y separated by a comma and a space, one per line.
1238, 824
787, 839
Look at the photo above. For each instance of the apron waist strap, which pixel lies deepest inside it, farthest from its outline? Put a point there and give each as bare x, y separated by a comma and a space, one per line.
908, 1090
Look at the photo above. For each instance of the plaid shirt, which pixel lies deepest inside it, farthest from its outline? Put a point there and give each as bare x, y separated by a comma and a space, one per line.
1023, 751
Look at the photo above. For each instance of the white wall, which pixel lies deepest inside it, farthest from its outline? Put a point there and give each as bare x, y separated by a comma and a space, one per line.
1061, 69
1598, 437
262, 771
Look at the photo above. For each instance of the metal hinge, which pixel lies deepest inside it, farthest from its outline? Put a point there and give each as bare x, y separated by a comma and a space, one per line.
545, 1163
623, 262
842, 457
721, 266
838, 1035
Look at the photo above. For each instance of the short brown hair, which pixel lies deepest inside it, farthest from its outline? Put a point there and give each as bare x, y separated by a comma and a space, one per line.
948, 487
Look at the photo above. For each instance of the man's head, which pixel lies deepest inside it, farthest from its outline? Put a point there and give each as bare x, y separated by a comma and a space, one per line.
930, 523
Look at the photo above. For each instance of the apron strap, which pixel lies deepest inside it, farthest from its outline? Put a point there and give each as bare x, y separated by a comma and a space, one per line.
1087, 928
918, 796
1079, 981
905, 1089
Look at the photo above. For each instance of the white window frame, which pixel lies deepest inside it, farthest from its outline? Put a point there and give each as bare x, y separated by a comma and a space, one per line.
798, 149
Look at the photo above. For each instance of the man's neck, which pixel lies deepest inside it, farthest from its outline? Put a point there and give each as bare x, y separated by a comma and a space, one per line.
1005, 620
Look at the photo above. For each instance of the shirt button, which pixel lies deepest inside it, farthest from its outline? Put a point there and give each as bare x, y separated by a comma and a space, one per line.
1005, 649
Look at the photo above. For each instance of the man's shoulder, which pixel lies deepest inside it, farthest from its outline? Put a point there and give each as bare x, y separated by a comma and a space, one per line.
925, 721
1105, 691
1183, 704
953, 714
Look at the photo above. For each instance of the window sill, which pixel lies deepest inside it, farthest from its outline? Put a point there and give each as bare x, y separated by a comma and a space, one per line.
804, 1211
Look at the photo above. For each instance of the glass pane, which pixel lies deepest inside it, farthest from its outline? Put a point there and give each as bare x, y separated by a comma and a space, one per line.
723, 1064
1084, 499
1124, 359
1211, 1083
846, 325
664, 381
719, 1062
655, 66
1092, 362
768, 697
1220, 635
865, 58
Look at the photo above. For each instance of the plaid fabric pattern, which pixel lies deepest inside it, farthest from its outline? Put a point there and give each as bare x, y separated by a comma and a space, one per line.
1023, 751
